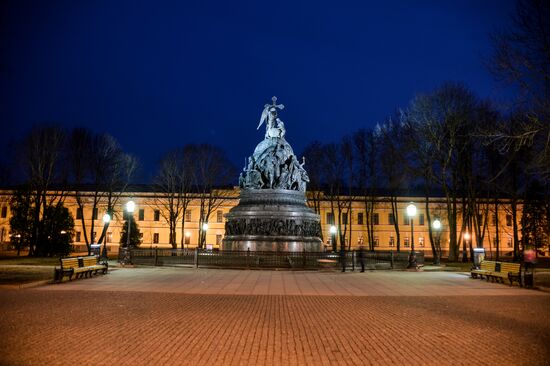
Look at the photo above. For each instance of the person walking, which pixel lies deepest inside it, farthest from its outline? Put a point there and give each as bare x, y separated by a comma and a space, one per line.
362, 258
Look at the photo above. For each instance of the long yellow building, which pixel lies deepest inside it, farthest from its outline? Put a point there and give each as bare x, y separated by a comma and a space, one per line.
151, 212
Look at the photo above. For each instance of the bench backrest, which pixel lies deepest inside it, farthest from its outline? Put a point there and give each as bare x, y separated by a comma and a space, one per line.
89, 261
488, 265
69, 262
509, 267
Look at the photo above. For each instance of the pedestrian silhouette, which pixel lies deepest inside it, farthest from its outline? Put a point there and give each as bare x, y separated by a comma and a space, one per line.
362, 258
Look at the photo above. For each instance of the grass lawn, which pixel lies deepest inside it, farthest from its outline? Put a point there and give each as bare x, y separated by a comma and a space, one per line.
15, 275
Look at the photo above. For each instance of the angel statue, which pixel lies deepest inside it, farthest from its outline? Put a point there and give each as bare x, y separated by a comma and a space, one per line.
274, 126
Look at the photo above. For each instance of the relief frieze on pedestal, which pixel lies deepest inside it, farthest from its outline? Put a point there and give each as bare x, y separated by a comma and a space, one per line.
272, 227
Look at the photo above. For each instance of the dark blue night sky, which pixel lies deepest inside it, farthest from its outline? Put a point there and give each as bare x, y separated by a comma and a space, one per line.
158, 74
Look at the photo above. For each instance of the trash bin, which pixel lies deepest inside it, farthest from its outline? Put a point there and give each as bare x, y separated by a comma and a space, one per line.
95, 249
479, 256
529, 261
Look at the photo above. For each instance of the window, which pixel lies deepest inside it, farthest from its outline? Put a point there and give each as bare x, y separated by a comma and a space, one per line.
391, 219
95, 213
218, 239
187, 239
188, 216
392, 241
109, 237
376, 241
494, 222
375, 219
421, 219
77, 239
330, 218
509, 242
219, 216
406, 220
406, 242
155, 238
141, 214
508, 220
345, 218
93, 236
480, 219
157, 215
78, 213
360, 218
421, 241
4, 212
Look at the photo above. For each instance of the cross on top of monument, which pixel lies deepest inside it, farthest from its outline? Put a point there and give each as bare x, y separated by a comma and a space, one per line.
274, 103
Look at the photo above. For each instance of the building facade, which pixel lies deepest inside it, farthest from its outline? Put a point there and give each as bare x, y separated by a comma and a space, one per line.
351, 225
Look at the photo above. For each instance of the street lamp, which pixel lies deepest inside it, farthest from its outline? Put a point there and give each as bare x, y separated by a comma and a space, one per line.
411, 212
333, 231
124, 254
106, 220
204, 230
467, 237
436, 225
130, 206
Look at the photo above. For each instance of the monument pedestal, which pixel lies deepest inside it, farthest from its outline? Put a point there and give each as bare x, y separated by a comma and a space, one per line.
272, 220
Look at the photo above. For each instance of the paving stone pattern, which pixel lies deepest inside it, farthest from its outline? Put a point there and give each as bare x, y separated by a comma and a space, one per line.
67, 324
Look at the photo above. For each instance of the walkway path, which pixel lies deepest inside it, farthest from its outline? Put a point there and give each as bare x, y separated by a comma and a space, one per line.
175, 316
243, 282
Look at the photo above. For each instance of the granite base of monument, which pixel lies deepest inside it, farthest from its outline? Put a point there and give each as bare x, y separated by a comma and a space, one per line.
272, 220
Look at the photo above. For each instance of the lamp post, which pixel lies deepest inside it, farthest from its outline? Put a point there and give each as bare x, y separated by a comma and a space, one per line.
464, 252
106, 220
411, 213
204, 230
333, 231
436, 225
124, 254
130, 207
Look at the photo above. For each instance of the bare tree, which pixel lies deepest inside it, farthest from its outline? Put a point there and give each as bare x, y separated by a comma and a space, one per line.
42, 158
366, 178
101, 172
392, 166
521, 58
444, 118
210, 168
421, 164
173, 184
349, 160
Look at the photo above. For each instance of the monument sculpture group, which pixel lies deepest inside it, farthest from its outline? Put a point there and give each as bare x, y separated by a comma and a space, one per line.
272, 214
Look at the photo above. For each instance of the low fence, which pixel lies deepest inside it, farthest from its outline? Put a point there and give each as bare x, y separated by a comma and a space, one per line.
290, 260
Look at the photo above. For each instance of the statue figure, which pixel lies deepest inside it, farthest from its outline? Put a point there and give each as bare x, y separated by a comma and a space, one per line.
274, 126
273, 164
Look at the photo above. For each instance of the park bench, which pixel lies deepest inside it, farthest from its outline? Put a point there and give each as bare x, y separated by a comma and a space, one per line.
507, 270
485, 269
498, 271
78, 267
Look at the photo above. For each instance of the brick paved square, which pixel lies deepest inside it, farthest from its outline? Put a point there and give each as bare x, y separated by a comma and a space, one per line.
175, 316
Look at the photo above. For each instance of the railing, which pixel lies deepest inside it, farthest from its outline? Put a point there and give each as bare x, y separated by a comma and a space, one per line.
290, 260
